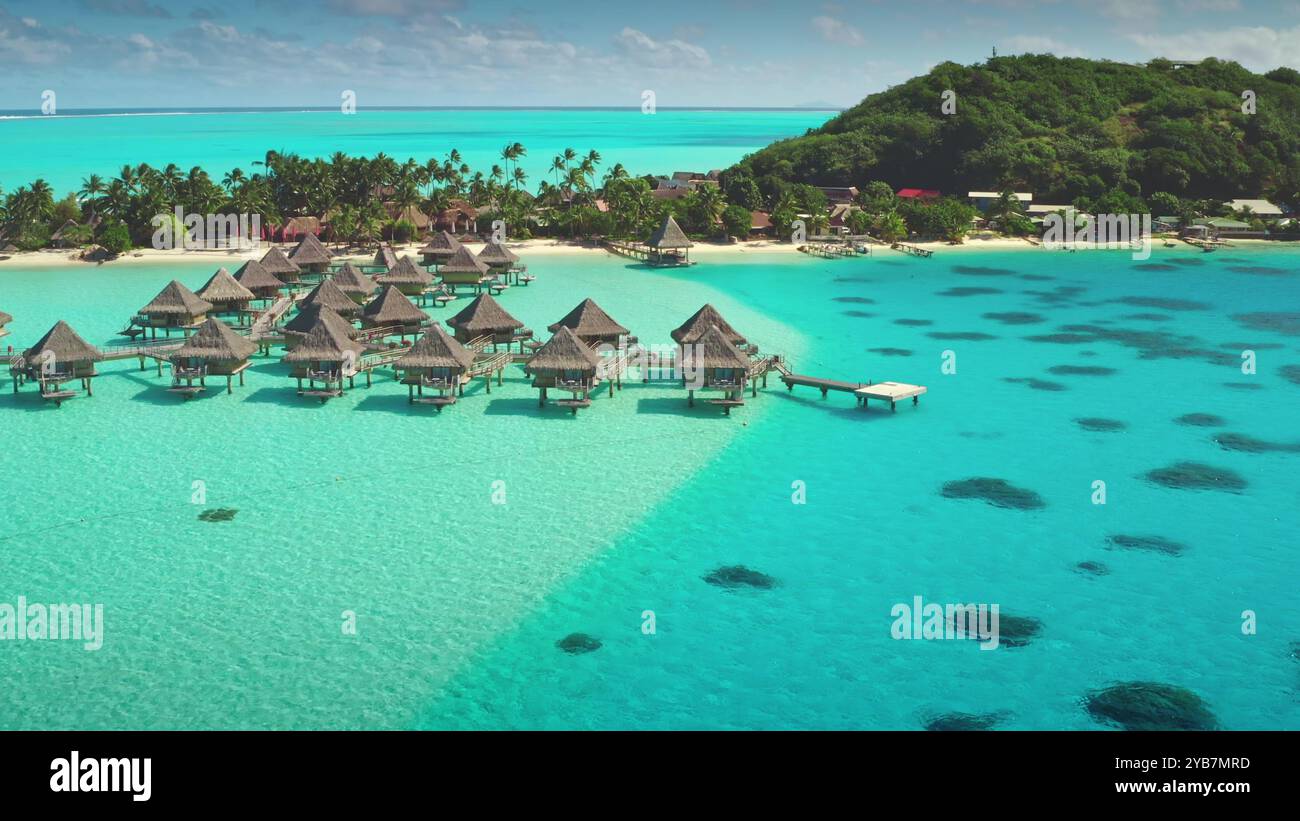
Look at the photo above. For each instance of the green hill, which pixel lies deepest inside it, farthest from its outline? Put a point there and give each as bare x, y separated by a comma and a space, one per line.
1062, 128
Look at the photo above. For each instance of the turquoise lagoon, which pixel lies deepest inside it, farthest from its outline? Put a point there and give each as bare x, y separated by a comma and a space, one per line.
367, 505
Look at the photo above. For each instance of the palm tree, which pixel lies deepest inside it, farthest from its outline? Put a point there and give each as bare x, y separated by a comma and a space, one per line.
92, 188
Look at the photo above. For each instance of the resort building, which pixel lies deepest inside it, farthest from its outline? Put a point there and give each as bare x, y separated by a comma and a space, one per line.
324, 355
1263, 209
918, 194
309, 317
839, 195
693, 329
310, 255
385, 257
262, 283
462, 268
713, 363
564, 363
281, 267
669, 245
495, 255
440, 248
592, 325
60, 356
328, 295
437, 362
175, 307
409, 278
216, 350
226, 294
355, 284
983, 199
392, 310
760, 222
484, 317
459, 218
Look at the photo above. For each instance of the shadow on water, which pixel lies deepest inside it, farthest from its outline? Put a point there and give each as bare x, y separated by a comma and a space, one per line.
677, 406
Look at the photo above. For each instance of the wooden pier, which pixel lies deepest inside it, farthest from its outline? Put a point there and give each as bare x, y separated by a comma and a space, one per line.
891, 392
644, 253
914, 250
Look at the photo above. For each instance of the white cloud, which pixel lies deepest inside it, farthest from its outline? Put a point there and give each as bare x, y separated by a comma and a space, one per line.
1257, 47
837, 31
1037, 44
1130, 9
640, 47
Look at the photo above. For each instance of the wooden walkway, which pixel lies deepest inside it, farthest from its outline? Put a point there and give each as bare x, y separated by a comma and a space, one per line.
644, 253
891, 392
912, 249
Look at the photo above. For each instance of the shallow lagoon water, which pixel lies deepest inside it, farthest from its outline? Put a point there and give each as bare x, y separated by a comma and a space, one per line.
365, 504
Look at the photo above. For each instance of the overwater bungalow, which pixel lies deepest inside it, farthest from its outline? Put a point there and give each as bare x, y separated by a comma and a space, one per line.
310, 255
254, 276
175, 307
437, 362
355, 284
409, 278
440, 248
329, 295
58, 357
462, 268
392, 310
5, 319
215, 350
227, 294
385, 257
497, 256
668, 245
565, 363
706, 317
306, 319
324, 355
281, 267
485, 317
592, 325
713, 363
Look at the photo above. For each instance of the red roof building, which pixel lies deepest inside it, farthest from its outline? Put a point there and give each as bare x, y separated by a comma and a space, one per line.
918, 194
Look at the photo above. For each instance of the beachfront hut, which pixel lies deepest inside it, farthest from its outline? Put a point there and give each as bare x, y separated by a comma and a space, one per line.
262, 283
5, 319
706, 317
485, 317
281, 267
355, 284
215, 350
175, 307
407, 276
565, 363
326, 355
669, 245
462, 268
306, 319
385, 257
328, 295
440, 248
226, 293
60, 356
437, 362
713, 363
310, 255
592, 325
394, 311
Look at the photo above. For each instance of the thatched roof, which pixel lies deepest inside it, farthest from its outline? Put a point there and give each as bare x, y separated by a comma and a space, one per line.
393, 308
351, 281
176, 300
277, 263
669, 235
441, 244
329, 295
216, 341
253, 274
484, 316
713, 350
589, 321
5, 318
564, 352
496, 253
436, 349
310, 315
385, 256
324, 342
309, 251
463, 262
692, 329
66, 345
405, 272
63, 229
224, 288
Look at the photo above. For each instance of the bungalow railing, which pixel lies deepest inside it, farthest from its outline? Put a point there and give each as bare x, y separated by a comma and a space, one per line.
180, 372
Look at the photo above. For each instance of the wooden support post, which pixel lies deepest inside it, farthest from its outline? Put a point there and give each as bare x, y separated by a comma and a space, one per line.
230, 386
690, 398
410, 394
487, 381
541, 398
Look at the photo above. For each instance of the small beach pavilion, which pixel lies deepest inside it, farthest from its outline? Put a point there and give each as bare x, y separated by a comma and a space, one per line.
215, 350
392, 310
669, 245
485, 317
409, 278
592, 325
329, 295
565, 363
227, 294
281, 267
327, 356
58, 357
358, 286
175, 307
440, 248
437, 362
310, 255
462, 268
713, 363
262, 283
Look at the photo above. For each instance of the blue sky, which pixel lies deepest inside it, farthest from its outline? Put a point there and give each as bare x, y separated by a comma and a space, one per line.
176, 54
